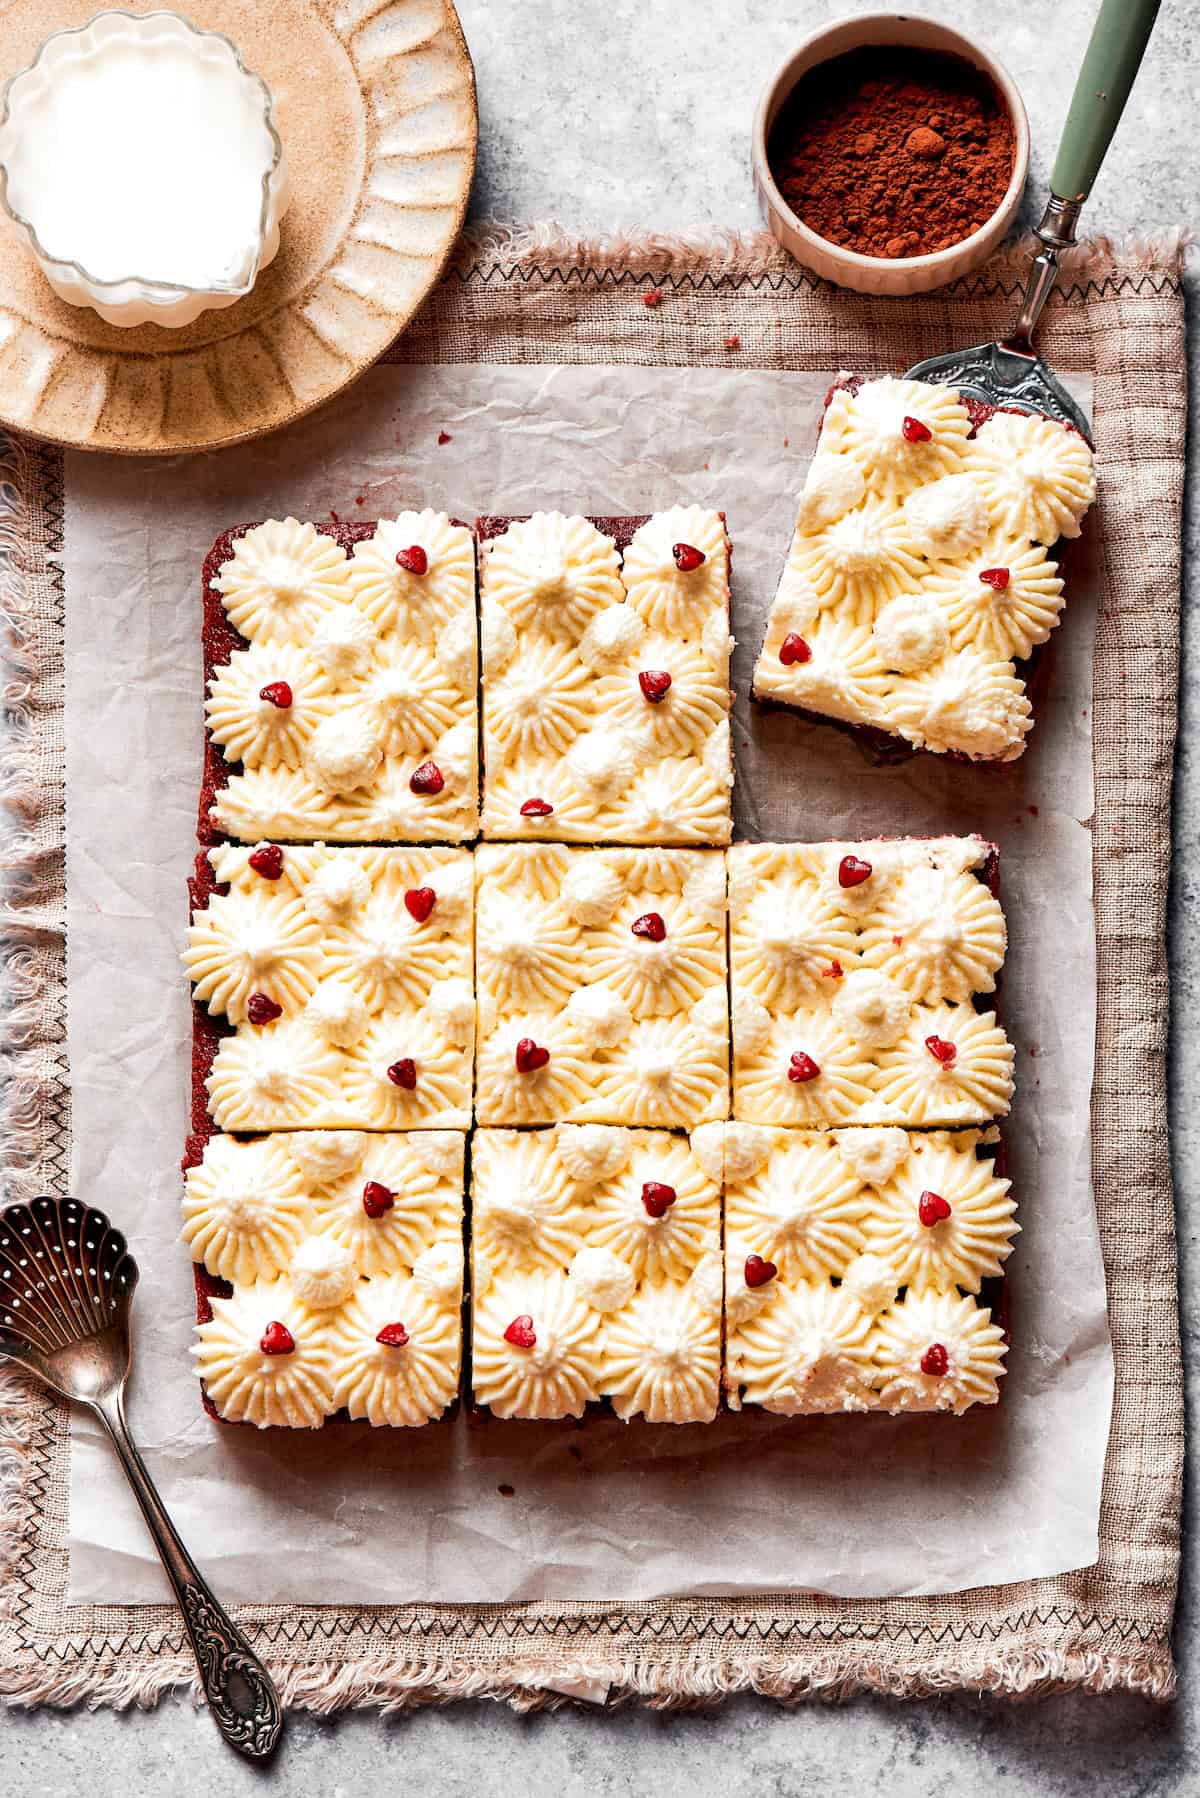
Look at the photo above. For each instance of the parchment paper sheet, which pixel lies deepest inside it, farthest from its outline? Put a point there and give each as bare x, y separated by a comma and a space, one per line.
848, 1506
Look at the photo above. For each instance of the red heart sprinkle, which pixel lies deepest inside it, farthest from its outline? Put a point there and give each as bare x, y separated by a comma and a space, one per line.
267, 861
658, 1198
377, 1198
393, 1336
536, 808
428, 778
834, 971
651, 924
530, 1056
998, 578
794, 649
935, 1361
419, 902
262, 1009
932, 1209
687, 557
758, 1271
403, 1073
852, 872
277, 692
413, 559
941, 1050
802, 1067
914, 431
655, 684
277, 1339
520, 1331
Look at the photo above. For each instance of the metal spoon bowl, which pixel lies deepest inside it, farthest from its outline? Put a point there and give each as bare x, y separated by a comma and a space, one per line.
66, 1284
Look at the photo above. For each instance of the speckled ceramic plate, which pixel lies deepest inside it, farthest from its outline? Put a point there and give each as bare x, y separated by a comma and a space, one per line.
375, 101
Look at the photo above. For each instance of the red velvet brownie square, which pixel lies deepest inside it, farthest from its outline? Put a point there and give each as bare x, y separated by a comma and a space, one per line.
919, 580
341, 669
329, 1275
860, 1267
858, 971
606, 678
333, 988
596, 1273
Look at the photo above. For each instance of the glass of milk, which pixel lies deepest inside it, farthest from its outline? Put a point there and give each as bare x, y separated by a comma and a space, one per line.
140, 157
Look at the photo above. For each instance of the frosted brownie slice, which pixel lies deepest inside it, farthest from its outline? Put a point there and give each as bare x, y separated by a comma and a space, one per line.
332, 987
918, 582
606, 678
329, 1275
341, 669
855, 970
596, 1274
601, 985
858, 1269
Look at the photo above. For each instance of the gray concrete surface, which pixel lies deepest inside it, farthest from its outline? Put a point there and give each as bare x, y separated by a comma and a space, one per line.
610, 114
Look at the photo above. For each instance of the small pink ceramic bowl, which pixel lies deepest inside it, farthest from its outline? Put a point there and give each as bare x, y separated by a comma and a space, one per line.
877, 274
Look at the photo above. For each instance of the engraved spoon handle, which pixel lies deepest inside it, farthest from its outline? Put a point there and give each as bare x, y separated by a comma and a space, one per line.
237, 1685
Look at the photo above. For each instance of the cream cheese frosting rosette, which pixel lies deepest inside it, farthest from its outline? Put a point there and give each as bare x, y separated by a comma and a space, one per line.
534, 1351
265, 1358
245, 1209
352, 714
606, 687
807, 1348
1037, 476
399, 1196
280, 580
396, 1353
265, 703
845, 958
663, 1356
917, 577
1003, 601
944, 1218
601, 985
407, 595
597, 1272
937, 1351
347, 975
802, 1211
865, 426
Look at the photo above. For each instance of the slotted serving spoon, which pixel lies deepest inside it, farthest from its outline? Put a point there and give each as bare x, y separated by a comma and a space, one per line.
66, 1283
1011, 373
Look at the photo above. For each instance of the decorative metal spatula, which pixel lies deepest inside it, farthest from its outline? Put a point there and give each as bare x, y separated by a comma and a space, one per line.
1011, 373
66, 1282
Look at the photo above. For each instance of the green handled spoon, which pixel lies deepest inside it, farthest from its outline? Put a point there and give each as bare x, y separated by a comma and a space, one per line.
1011, 373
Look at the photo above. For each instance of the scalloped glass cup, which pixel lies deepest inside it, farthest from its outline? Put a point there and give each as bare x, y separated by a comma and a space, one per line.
879, 274
48, 165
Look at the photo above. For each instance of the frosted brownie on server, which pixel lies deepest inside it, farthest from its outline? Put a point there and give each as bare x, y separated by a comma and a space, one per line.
855, 1261
601, 985
606, 678
333, 988
855, 968
329, 1275
596, 1273
341, 686
918, 581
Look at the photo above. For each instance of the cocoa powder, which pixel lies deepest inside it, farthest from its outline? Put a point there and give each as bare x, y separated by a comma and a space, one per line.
893, 152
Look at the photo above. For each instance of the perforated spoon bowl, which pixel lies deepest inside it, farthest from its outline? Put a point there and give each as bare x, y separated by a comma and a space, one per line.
66, 1283
1011, 373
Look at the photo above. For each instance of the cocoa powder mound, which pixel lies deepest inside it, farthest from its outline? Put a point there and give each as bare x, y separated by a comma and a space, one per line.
893, 152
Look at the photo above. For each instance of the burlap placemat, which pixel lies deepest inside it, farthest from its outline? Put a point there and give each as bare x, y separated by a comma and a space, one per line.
1118, 316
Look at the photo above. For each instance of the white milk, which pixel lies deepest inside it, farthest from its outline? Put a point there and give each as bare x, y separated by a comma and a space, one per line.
145, 161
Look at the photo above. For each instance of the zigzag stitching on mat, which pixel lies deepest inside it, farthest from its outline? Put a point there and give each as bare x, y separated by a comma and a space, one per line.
778, 281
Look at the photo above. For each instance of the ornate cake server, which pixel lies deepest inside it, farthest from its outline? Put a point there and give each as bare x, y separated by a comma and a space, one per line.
66, 1283
1011, 373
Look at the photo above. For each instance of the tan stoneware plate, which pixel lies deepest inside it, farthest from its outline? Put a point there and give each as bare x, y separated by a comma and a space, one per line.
375, 102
